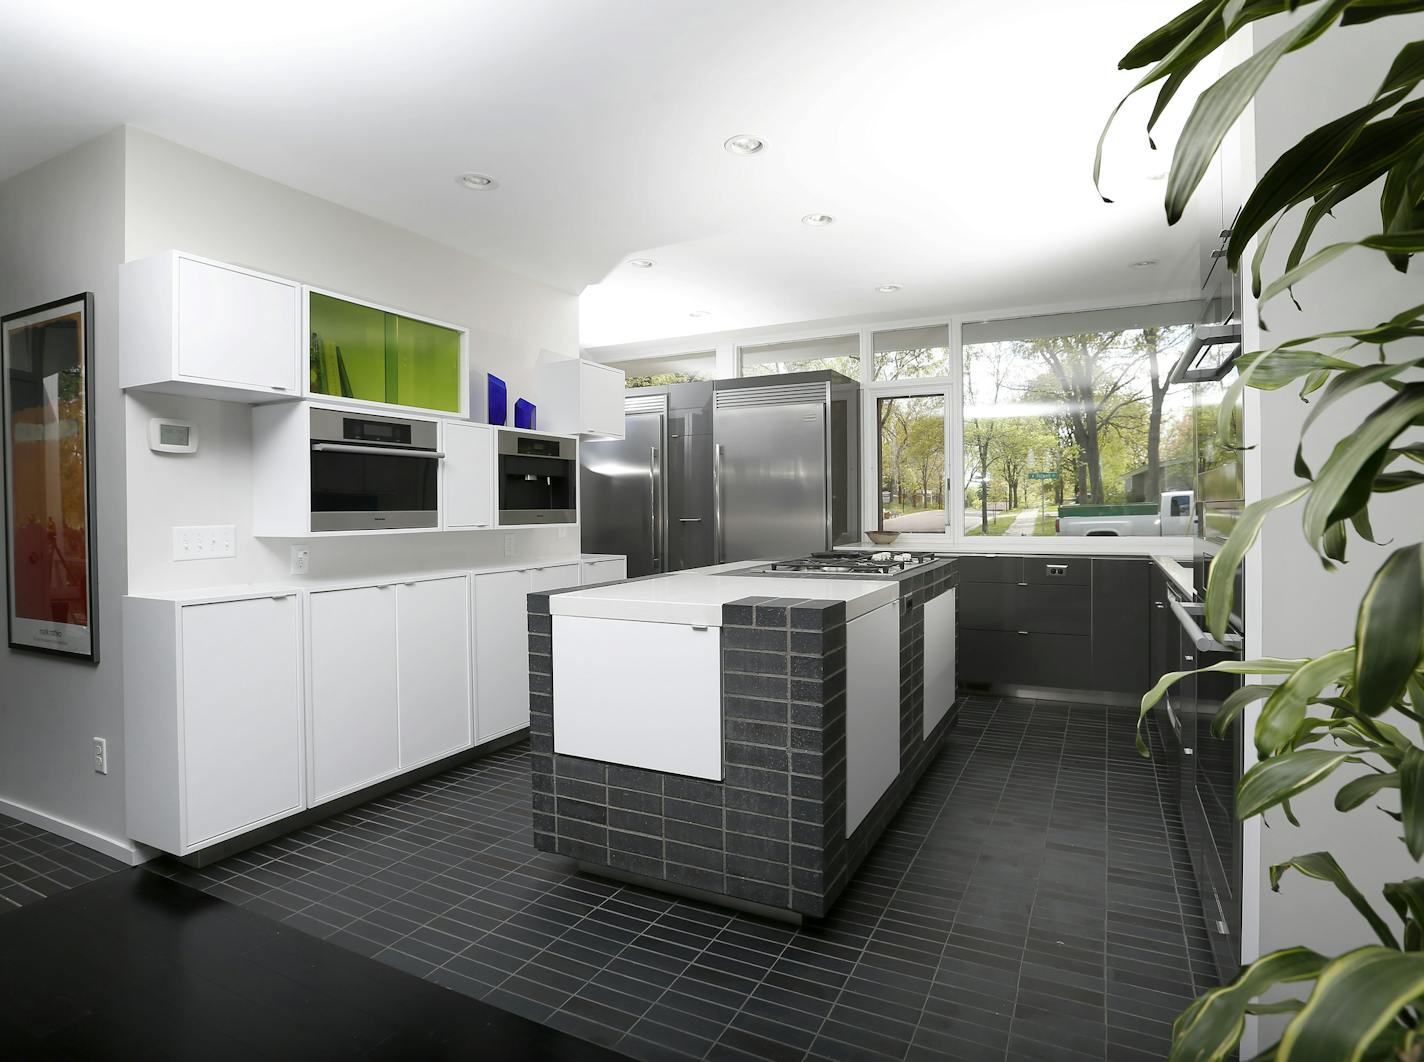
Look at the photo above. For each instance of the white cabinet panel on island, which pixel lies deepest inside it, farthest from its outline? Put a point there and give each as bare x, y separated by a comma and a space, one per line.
434, 651
872, 710
939, 659
213, 718
189, 325
354, 711
639, 694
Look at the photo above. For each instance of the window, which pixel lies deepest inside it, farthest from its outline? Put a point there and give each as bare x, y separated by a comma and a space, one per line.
1071, 426
841, 353
911, 463
907, 353
669, 369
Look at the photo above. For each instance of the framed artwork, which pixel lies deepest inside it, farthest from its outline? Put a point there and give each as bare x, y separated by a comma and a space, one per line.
46, 359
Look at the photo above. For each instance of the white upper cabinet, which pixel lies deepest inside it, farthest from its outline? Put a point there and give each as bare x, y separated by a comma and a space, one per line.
468, 490
188, 325
582, 398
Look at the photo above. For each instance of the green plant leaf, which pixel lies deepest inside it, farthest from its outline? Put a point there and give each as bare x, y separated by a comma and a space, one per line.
1221, 586
1323, 867
1220, 105
1279, 778
1356, 997
1354, 378
1407, 899
1409, 242
1234, 704
1290, 178
1212, 1025
1406, 70
1356, 791
1411, 800
1369, 10
1389, 630
1284, 710
1258, 666
1164, 40
1337, 475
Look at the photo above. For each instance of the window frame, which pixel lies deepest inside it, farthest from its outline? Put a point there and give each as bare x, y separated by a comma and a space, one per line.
729, 345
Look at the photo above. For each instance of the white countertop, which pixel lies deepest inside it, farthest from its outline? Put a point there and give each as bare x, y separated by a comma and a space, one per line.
696, 597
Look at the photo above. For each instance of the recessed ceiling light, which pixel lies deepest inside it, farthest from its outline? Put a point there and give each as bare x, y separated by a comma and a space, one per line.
817, 220
888, 289
641, 263
700, 313
1146, 263
480, 182
744, 144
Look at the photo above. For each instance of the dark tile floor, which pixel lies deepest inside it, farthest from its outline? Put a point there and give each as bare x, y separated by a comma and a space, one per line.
1032, 899
35, 863
136, 966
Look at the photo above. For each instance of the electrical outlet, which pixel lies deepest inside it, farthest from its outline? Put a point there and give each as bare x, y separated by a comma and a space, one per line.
301, 560
204, 543
509, 545
101, 756
563, 532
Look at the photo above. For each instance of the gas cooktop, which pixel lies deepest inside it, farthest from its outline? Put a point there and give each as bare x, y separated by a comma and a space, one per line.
884, 563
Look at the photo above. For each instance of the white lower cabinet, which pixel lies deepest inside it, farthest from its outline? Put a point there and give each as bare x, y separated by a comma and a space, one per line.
433, 658
353, 707
213, 717
502, 644
595, 570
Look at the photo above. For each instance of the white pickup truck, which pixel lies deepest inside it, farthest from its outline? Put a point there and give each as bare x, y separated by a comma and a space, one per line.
1172, 516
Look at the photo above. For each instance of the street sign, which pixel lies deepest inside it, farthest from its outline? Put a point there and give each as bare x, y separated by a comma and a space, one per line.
1043, 475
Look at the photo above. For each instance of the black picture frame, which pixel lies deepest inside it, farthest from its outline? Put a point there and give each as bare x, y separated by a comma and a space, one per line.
52, 636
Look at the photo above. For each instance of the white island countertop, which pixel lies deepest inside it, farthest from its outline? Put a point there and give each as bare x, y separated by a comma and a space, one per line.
696, 597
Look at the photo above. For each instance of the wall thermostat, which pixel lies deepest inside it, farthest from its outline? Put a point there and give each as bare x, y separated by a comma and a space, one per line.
172, 437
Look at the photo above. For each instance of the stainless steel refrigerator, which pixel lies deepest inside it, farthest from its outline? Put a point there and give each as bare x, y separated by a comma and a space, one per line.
623, 495
649, 495
785, 455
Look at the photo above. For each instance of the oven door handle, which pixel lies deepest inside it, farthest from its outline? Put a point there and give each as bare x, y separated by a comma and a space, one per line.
382, 451
1204, 642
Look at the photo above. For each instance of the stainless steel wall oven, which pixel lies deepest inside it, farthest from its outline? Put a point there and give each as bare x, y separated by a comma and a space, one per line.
373, 473
538, 479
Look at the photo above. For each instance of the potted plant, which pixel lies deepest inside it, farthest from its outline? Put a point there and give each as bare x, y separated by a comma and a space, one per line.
1362, 703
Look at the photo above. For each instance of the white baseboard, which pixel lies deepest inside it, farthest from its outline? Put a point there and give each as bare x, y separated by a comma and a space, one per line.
127, 852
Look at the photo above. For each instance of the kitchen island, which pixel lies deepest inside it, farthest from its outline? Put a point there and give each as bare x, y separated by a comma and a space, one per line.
738, 735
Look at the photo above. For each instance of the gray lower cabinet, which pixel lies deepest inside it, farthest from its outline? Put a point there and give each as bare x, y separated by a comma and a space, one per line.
1078, 623
1121, 632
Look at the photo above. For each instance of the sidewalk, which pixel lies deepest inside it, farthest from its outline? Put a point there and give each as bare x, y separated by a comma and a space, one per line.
1024, 523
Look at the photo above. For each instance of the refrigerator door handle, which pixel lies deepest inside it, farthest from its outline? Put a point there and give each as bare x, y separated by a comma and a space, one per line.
653, 470
718, 549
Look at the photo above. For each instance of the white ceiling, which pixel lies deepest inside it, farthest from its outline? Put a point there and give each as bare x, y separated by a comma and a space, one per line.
951, 139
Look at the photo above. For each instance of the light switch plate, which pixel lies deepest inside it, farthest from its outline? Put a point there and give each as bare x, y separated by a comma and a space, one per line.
509, 545
204, 543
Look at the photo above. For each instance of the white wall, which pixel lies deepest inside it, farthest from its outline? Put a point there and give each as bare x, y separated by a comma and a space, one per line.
1294, 607
61, 232
177, 198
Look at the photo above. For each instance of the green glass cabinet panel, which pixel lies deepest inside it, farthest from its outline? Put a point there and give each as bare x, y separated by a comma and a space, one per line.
369, 354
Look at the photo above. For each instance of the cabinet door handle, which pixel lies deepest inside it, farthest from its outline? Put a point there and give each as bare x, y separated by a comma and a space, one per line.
1023, 632
279, 597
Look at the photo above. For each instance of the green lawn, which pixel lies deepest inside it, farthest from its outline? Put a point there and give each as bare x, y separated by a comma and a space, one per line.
1045, 524
998, 523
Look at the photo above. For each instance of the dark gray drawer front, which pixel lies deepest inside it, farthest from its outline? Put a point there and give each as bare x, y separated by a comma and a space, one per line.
1058, 571
1007, 658
988, 606
1054, 609
989, 569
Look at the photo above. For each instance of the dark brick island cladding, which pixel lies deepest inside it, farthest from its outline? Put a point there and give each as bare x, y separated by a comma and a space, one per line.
772, 832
